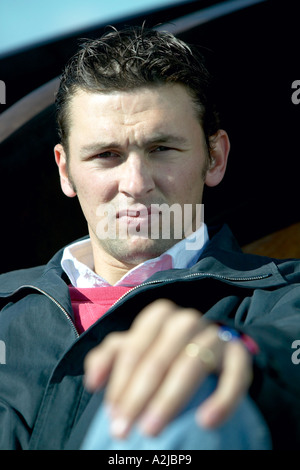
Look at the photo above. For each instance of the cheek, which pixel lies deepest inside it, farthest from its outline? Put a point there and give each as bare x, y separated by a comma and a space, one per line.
185, 185
95, 188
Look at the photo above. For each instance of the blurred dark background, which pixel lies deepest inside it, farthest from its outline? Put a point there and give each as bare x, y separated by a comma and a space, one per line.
254, 54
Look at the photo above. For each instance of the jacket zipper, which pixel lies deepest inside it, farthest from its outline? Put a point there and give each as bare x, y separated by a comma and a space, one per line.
218, 276
55, 302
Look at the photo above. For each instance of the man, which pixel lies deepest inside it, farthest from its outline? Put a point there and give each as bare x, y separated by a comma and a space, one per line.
169, 323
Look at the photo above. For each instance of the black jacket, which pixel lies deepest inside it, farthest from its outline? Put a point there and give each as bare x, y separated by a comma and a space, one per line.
43, 404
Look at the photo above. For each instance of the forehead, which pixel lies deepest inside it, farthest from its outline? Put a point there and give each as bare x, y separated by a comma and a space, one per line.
132, 117
170, 100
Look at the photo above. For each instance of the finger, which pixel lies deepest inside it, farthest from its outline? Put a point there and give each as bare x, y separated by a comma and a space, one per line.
136, 345
99, 362
233, 384
180, 383
152, 369
154, 338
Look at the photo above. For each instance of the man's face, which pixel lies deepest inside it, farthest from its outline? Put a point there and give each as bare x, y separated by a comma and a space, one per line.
129, 151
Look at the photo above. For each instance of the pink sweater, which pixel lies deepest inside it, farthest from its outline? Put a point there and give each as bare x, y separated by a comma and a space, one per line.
89, 304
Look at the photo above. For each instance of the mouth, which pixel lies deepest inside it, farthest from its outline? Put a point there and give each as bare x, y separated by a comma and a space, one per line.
138, 220
137, 212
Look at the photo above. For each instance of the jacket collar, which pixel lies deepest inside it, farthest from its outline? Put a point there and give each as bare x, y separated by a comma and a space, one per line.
221, 259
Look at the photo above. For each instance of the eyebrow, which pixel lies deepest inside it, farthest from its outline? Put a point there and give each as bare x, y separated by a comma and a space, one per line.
96, 147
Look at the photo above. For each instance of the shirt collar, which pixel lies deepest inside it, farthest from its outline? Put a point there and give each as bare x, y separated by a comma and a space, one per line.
78, 264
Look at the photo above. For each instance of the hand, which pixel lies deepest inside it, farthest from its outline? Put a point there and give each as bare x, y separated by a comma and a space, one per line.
150, 374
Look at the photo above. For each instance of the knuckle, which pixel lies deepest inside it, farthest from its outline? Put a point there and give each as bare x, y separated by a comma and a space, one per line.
113, 340
191, 314
155, 311
186, 320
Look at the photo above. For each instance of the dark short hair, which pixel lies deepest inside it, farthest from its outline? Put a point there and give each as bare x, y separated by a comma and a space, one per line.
132, 58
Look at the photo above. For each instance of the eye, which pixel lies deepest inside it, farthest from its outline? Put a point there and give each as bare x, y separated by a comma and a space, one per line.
106, 155
161, 148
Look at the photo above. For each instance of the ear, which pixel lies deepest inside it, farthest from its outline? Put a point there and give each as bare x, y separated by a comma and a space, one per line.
219, 155
61, 161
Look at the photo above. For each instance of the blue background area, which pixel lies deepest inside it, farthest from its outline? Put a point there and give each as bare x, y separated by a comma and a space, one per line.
25, 22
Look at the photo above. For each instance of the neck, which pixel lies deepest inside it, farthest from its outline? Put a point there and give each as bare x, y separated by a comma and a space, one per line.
111, 273
109, 267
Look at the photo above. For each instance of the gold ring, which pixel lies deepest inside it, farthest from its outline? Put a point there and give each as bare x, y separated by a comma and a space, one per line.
206, 355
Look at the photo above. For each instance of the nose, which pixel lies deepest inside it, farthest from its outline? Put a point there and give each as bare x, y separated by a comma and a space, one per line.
136, 178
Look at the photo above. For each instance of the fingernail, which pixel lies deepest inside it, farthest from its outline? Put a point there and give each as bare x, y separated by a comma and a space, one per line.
150, 423
207, 417
119, 427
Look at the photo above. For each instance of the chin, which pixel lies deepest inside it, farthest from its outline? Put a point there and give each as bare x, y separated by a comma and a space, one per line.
137, 250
